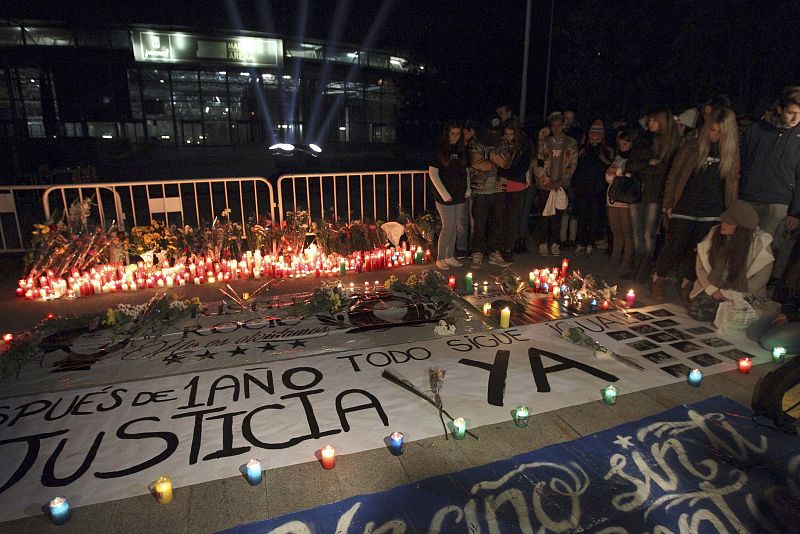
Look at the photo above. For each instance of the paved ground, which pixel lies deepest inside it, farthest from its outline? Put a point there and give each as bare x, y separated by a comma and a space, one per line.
228, 502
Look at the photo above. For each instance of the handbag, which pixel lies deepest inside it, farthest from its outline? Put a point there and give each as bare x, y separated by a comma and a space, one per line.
626, 189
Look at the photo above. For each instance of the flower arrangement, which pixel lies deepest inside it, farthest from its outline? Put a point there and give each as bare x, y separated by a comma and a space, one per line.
512, 285
293, 232
327, 298
154, 237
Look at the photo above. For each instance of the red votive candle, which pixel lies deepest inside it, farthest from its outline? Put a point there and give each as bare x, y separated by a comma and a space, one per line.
630, 298
328, 454
744, 365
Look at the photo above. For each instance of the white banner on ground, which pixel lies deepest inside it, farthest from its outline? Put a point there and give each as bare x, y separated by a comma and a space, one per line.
96, 445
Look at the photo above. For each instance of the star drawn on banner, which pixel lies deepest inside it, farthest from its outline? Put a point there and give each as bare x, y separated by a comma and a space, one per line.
238, 350
624, 442
267, 346
207, 355
174, 358
298, 343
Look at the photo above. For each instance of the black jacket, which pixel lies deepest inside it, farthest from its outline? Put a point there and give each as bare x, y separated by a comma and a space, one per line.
771, 165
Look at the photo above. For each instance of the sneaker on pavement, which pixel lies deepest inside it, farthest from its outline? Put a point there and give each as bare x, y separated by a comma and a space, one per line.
443, 265
477, 258
452, 262
543, 249
555, 249
495, 258
460, 254
602, 244
580, 250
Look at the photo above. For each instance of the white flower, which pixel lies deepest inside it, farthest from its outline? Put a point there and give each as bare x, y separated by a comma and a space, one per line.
226, 212
444, 329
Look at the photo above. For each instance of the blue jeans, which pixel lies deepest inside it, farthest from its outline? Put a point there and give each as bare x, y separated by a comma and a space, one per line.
450, 214
770, 336
645, 217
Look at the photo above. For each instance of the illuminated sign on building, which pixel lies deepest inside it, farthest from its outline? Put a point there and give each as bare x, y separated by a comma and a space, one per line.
175, 47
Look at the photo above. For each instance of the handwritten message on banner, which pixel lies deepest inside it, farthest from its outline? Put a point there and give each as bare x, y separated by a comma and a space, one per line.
701, 468
110, 442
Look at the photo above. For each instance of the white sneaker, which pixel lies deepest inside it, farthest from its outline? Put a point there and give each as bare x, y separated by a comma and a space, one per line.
495, 258
442, 265
542, 249
555, 249
452, 262
477, 259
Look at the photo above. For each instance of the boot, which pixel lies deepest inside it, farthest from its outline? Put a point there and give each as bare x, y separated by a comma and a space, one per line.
636, 264
658, 289
644, 270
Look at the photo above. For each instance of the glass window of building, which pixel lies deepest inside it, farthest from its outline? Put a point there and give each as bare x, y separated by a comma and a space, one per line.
399, 63
11, 35
376, 59
157, 104
215, 109
49, 37
304, 51
341, 55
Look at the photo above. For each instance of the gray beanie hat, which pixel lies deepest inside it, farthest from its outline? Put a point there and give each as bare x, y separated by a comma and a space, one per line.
741, 214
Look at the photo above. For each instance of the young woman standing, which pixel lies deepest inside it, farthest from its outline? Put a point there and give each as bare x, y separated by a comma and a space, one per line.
448, 172
703, 181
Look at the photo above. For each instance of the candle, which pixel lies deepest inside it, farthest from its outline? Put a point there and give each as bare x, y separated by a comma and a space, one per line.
744, 365
418, 256
695, 376
593, 305
564, 266
396, 441
451, 282
605, 305
459, 428
521, 416
556, 291
468, 282
59, 510
328, 454
486, 288
163, 490
545, 288
254, 472
630, 298
475, 289
487, 308
342, 267
245, 296
505, 317
532, 276
778, 353
610, 395
8, 338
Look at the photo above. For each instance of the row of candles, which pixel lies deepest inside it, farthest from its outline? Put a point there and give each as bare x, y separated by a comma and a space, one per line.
203, 270
695, 376
254, 472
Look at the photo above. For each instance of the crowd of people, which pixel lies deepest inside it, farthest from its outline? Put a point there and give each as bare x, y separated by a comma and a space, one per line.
702, 197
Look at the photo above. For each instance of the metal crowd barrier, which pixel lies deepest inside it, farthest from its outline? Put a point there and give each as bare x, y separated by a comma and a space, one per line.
344, 197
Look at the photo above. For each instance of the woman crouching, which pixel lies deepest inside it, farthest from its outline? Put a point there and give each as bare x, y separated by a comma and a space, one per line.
734, 257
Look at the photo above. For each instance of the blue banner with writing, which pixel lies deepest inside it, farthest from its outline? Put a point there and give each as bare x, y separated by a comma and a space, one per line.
705, 467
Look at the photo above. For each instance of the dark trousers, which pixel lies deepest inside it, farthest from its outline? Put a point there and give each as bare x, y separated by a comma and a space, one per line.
680, 247
514, 202
489, 222
549, 228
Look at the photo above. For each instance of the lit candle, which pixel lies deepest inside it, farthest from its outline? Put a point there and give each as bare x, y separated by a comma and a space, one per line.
778, 353
59, 510
486, 288
459, 428
396, 441
8, 338
564, 266
451, 282
475, 289
610, 395
487, 308
342, 267
328, 454
630, 298
593, 304
211, 280
163, 490
468, 282
245, 296
695, 376
521, 416
556, 291
744, 365
532, 279
605, 305
505, 317
254, 472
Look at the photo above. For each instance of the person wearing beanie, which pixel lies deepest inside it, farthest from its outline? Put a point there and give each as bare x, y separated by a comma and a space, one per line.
734, 260
687, 124
588, 188
702, 182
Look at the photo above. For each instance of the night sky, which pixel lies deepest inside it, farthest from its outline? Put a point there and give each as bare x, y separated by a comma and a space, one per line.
609, 58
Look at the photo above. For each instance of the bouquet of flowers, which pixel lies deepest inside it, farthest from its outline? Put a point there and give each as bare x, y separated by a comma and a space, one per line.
327, 298
512, 285
293, 232
155, 237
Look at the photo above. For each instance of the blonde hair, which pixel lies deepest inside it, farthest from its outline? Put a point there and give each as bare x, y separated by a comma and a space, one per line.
728, 142
665, 142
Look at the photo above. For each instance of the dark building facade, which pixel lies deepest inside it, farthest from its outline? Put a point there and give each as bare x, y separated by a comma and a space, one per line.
170, 87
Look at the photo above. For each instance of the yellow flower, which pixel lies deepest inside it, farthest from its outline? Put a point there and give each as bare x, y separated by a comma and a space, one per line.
111, 317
